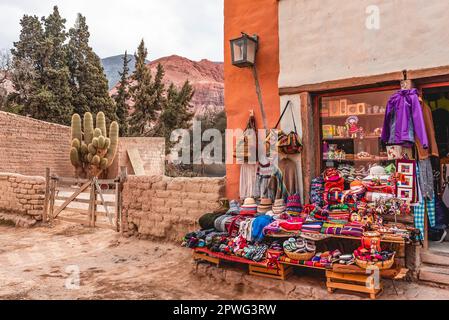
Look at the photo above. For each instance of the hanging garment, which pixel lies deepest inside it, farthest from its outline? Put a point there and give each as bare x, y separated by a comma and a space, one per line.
430, 130
404, 120
425, 178
420, 210
247, 180
276, 186
263, 175
290, 175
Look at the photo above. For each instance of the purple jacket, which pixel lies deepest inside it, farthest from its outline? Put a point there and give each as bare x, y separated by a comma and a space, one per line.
404, 120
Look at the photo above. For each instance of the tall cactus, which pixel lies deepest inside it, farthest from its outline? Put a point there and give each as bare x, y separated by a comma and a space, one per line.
93, 151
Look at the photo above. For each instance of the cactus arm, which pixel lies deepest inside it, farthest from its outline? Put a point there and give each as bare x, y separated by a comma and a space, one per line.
88, 128
113, 136
76, 127
101, 123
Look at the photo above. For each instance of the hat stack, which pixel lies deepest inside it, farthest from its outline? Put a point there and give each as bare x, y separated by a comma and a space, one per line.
294, 206
249, 207
234, 208
279, 206
264, 206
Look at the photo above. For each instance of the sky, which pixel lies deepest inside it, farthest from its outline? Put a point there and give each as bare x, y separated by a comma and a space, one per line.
189, 28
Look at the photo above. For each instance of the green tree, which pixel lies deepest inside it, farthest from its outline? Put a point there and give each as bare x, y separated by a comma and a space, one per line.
147, 94
122, 96
176, 112
41, 74
88, 81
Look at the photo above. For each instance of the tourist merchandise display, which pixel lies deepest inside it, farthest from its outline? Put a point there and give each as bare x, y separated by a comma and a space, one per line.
362, 209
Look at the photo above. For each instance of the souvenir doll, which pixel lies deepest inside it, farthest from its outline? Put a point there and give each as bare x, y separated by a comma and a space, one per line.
352, 126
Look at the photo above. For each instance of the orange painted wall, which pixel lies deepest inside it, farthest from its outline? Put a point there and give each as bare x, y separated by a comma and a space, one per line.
252, 17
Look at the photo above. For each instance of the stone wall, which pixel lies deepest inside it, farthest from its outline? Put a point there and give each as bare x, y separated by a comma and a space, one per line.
166, 208
28, 146
21, 199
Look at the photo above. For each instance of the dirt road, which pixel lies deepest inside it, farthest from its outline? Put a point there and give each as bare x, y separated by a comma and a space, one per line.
73, 262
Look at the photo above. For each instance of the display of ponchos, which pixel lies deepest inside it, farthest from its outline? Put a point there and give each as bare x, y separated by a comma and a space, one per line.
404, 120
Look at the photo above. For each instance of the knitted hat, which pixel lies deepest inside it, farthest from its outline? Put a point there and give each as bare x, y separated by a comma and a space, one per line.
294, 201
234, 207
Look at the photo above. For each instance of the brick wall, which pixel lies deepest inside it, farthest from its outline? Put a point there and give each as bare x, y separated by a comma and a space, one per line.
167, 208
21, 198
28, 146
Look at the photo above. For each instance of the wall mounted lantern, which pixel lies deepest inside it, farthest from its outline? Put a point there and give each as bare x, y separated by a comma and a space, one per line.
243, 50
243, 54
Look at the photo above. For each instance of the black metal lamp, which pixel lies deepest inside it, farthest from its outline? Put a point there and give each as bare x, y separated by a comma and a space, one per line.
243, 50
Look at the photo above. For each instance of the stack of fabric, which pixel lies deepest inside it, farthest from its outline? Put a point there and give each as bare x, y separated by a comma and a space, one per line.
279, 206
312, 227
264, 206
294, 206
234, 208
292, 224
249, 207
316, 191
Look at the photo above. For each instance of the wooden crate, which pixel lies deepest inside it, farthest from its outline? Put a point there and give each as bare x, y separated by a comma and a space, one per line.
199, 256
279, 274
362, 283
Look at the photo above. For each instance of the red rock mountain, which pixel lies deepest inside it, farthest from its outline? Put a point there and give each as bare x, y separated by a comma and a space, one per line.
206, 77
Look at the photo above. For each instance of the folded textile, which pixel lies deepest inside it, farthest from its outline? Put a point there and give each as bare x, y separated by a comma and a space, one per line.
293, 224
258, 226
312, 227
352, 231
332, 230
207, 221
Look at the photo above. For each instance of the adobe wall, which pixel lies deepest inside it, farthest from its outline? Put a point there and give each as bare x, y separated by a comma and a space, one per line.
167, 208
329, 40
21, 199
28, 146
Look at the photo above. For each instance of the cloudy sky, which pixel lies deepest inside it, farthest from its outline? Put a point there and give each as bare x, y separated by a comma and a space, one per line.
190, 28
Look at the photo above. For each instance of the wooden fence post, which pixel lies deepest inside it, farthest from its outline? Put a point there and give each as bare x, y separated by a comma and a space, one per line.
47, 195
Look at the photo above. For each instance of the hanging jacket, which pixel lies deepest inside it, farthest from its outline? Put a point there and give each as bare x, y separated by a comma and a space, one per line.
404, 120
424, 154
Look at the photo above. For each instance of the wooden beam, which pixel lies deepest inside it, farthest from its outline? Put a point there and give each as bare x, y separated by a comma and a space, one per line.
344, 83
136, 161
428, 72
309, 143
70, 199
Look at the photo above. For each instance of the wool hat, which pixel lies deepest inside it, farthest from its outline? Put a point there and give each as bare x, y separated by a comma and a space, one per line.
234, 207
294, 201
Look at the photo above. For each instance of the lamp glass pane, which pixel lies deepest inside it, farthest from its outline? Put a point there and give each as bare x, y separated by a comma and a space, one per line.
251, 51
238, 46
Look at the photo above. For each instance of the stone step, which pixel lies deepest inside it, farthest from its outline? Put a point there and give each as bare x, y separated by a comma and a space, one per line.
434, 274
435, 258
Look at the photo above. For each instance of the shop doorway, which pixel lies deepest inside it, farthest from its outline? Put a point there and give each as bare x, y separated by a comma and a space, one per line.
437, 98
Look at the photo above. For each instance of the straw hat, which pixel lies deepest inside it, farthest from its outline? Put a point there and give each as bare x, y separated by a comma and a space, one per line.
249, 202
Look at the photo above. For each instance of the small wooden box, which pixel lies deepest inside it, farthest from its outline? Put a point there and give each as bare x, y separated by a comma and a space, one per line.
351, 109
361, 108
334, 108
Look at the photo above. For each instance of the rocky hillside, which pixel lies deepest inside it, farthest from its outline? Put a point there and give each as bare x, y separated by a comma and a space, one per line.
113, 65
205, 76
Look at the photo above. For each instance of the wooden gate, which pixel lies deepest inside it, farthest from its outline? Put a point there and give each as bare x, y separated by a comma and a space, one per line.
90, 202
